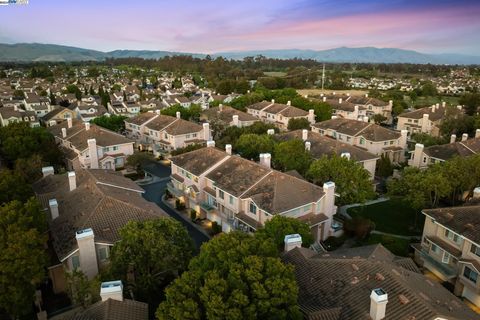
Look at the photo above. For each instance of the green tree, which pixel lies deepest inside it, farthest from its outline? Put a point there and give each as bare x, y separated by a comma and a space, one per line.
235, 276
279, 226
19, 95
385, 167
13, 186
82, 291
154, 251
428, 140
378, 118
291, 155
113, 122
471, 101
139, 159
353, 183
71, 88
22, 258
299, 123
250, 145
429, 89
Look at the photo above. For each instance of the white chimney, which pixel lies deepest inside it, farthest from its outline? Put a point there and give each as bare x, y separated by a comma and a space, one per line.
476, 193
334, 117
72, 180
178, 114
64, 132
366, 95
92, 153
292, 241
228, 149
464, 137
304, 134
334, 93
433, 108
311, 116
365, 119
444, 104
47, 171
340, 100
87, 126
220, 107
111, 290
157, 112
69, 122
345, 155
378, 304
390, 103
324, 99
437, 106
271, 132
459, 107
308, 145
235, 120
273, 100
53, 205
477, 133
418, 155
453, 138
329, 200
206, 131
403, 138
211, 143
265, 159
88, 253
289, 103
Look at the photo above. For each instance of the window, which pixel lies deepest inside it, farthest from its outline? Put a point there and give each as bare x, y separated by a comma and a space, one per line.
362, 141
446, 257
470, 274
166, 136
194, 135
221, 194
106, 149
187, 136
253, 208
230, 200
103, 253
452, 236
348, 139
475, 249
75, 262
189, 176
435, 248
115, 148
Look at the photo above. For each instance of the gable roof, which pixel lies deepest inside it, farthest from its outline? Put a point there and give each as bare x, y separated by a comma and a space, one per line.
369, 131
173, 125
226, 114
114, 310
198, 161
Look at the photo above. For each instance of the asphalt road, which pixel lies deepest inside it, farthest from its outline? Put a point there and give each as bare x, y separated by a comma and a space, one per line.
154, 193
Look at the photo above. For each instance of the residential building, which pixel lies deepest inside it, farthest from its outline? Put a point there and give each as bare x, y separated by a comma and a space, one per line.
240, 194
124, 108
57, 115
279, 114
345, 109
87, 145
228, 116
320, 145
14, 114
425, 120
369, 136
423, 156
87, 112
38, 104
450, 248
368, 283
86, 210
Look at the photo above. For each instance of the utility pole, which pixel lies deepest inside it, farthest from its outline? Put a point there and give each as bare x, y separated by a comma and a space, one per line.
323, 76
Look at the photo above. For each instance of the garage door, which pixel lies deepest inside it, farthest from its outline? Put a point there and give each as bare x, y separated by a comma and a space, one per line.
471, 295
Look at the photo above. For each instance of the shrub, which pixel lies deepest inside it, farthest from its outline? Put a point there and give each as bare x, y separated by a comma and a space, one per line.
179, 205
193, 215
359, 227
168, 195
216, 228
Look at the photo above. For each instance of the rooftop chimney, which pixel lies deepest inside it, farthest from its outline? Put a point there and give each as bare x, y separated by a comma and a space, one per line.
289, 103
418, 155
235, 120
390, 103
72, 180
329, 201
273, 100
340, 100
92, 153
334, 93
271, 132
437, 106
464, 137
311, 116
64, 132
111, 290
220, 107
345, 155
324, 99
87, 126
366, 95
433, 108
206, 131
88, 254
334, 117
304, 134
178, 114
69, 122
47, 171
476, 193
292, 241
444, 104
365, 119
265, 159
53, 205
211, 143
477, 133
378, 304
157, 112
228, 149
308, 145
453, 138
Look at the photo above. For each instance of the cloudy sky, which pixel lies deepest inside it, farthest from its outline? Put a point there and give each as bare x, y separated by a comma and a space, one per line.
432, 26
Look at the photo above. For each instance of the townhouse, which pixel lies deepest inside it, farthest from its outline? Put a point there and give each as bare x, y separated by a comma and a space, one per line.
127, 109
240, 194
86, 209
86, 145
373, 106
38, 104
57, 115
368, 283
369, 136
86, 111
228, 116
14, 114
450, 247
425, 120
319, 145
422, 157
279, 114
165, 133
345, 109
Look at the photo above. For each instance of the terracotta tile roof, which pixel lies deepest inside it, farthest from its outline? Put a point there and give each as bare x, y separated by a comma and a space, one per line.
103, 200
199, 161
332, 286
114, 310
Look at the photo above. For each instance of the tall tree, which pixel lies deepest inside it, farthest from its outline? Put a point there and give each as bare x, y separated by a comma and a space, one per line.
291, 155
296, 124
251, 145
278, 227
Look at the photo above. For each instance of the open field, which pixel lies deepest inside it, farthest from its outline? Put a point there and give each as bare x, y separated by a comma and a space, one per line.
275, 74
317, 92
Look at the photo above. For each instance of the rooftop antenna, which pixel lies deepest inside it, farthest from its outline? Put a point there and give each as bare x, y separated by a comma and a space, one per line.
323, 76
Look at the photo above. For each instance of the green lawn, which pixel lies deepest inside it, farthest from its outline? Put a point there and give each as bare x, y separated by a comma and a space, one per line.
392, 216
399, 247
275, 74
428, 101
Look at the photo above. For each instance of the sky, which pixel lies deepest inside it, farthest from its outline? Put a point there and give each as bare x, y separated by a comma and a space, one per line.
209, 26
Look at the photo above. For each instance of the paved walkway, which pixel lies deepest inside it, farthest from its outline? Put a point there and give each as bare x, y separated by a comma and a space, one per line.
395, 235
343, 209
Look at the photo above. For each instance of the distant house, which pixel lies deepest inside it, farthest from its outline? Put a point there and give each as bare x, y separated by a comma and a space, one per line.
10, 115
320, 145
86, 209
127, 109
450, 248
367, 283
372, 137
57, 115
228, 116
87, 145
38, 104
87, 112
240, 194
279, 114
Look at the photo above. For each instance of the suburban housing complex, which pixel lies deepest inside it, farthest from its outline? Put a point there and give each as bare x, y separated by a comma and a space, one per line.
279, 114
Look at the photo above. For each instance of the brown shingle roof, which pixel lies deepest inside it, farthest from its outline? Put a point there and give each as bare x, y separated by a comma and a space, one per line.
435, 115
259, 105
114, 310
141, 118
199, 161
226, 115
369, 131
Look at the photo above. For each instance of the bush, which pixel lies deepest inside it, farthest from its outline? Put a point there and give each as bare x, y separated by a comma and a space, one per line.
168, 195
359, 227
216, 228
193, 215
179, 205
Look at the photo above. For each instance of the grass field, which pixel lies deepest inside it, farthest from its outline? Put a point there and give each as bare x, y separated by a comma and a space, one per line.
399, 247
392, 216
317, 92
275, 74
428, 101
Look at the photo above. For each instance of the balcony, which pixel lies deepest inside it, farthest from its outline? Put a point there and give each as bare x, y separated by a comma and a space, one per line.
207, 207
448, 271
177, 193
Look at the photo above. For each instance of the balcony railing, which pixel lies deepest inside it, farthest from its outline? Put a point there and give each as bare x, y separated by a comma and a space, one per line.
207, 207
174, 191
448, 271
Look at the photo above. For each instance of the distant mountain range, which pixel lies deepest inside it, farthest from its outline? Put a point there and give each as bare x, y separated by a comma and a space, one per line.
28, 52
